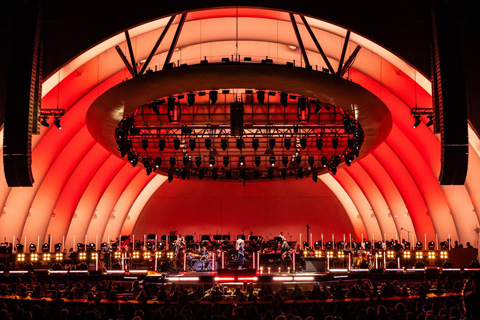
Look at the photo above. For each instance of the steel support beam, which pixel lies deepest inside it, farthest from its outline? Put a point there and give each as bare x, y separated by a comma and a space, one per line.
130, 50
344, 50
175, 40
317, 44
349, 62
299, 39
125, 61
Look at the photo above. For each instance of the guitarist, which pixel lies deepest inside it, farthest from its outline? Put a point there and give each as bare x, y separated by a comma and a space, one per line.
240, 247
286, 254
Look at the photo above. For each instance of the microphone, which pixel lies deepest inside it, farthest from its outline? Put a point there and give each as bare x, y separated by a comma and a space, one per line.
401, 228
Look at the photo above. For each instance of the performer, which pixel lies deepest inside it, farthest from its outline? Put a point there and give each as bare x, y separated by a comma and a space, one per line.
240, 247
286, 254
282, 236
177, 255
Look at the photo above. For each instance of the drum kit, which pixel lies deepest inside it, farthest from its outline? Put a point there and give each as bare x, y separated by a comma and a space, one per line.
201, 263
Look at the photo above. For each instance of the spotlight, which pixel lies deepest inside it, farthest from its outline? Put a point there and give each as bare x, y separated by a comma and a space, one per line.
324, 161
44, 122
272, 160
192, 144
170, 177
255, 144
183, 174
224, 144
271, 143
215, 173
32, 247
285, 160
212, 95
335, 143
45, 247
211, 161
241, 161
333, 170
154, 107
57, 247
270, 173
57, 124
158, 162
430, 120
283, 173
226, 161
240, 144
431, 245
186, 159
298, 159
171, 103
287, 143
303, 143
319, 143
144, 144
284, 98
190, 99
314, 177
133, 158
147, 161
173, 161
311, 161
349, 157
19, 247
261, 96
417, 121
198, 161
258, 161
161, 144
208, 143
176, 143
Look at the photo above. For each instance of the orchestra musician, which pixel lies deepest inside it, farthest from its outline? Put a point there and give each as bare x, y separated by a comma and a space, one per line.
282, 236
240, 247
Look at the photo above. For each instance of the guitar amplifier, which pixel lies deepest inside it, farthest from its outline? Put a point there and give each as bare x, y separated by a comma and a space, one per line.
315, 265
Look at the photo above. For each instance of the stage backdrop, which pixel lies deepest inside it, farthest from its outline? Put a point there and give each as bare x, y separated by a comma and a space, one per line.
208, 207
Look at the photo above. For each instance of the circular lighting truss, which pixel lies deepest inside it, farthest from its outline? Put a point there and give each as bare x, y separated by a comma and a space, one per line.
281, 135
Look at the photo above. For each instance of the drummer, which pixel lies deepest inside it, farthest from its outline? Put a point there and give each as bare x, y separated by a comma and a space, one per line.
204, 253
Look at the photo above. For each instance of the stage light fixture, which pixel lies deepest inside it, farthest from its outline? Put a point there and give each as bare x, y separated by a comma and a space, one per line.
261, 96
176, 143
417, 121
314, 176
144, 144
58, 256
208, 143
158, 162
285, 160
351, 144
255, 144
57, 247
34, 257
57, 124
173, 161
240, 144
271, 143
300, 173
215, 173
183, 173
430, 120
335, 143
226, 161
287, 143
311, 161
318, 107
161, 144
212, 95
272, 160
211, 161
192, 144
21, 257
283, 173
284, 99
171, 103
303, 143
257, 161
431, 245
298, 159
133, 158
170, 177
190, 99
319, 143
407, 255
241, 161
198, 161
224, 144
45, 247
333, 170
44, 122
186, 160
80, 246
418, 245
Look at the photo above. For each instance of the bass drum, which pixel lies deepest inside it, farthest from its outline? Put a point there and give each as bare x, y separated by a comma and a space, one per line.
209, 267
198, 266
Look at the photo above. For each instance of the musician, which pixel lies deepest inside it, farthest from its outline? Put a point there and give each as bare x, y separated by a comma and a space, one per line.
282, 236
177, 254
204, 253
240, 247
286, 254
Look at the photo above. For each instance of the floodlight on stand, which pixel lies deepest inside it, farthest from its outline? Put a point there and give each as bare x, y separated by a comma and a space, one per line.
261, 96
335, 143
211, 161
311, 161
319, 143
44, 122
287, 143
198, 161
208, 143
57, 124
257, 161
284, 99
303, 143
161, 144
241, 161
176, 143
255, 144
144, 144
240, 143
158, 162
192, 144
417, 121
224, 144
212, 96
173, 161
226, 161
272, 160
186, 159
285, 160
190, 99
271, 143
324, 161
430, 120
